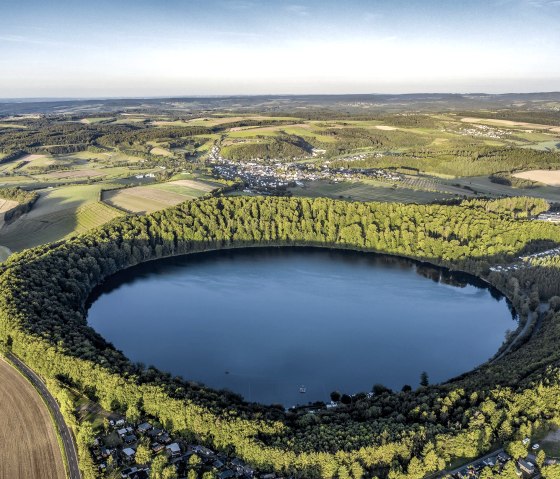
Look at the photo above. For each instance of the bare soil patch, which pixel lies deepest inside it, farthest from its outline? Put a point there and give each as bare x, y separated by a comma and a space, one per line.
28, 444
548, 177
385, 127
6, 205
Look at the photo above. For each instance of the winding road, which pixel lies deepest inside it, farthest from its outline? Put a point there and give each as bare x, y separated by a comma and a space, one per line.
65, 434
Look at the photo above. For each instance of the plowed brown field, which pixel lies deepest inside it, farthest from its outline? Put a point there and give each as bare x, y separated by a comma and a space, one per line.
29, 447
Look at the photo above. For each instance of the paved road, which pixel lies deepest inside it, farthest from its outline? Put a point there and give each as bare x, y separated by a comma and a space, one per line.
535, 317
67, 438
474, 461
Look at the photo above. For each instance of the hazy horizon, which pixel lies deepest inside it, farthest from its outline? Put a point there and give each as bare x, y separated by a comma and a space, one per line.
266, 95
147, 49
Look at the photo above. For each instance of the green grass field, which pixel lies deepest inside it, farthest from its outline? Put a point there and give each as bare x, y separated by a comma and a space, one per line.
361, 191
157, 196
484, 186
59, 213
440, 145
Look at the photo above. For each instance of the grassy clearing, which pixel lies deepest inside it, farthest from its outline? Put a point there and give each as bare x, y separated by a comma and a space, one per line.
28, 442
26, 162
12, 125
92, 121
158, 150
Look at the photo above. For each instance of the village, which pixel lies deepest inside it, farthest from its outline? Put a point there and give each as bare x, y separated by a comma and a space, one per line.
482, 131
525, 468
118, 449
268, 176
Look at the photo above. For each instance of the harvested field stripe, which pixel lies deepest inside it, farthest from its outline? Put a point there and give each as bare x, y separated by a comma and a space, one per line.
29, 446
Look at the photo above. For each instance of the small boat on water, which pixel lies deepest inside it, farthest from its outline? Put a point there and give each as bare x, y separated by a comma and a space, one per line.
302, 389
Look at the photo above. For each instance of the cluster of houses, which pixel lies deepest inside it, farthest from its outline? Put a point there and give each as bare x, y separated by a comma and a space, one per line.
147, 175
482, 131
553, 216
542, 254
117, 449
359, 157
265, 175
525, 467
472, 470
525, 261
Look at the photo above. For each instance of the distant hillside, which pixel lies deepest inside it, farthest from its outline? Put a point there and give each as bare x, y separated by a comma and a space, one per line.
356, 103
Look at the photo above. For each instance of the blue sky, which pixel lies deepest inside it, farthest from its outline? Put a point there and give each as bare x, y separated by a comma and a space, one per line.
210, 47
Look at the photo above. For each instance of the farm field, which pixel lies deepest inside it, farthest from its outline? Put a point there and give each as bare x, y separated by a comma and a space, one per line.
548, 177
150, 155
362, 191
58, 213
28, 444
512, 124
145, 199
483, 186
6, 205
85, 173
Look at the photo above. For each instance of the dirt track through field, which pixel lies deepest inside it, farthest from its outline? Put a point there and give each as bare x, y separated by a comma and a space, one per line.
28, 444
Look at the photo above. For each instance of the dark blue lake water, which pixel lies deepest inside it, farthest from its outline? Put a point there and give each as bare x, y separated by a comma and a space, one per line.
264, 322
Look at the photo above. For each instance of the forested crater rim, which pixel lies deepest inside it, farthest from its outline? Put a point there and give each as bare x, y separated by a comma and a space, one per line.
42, 317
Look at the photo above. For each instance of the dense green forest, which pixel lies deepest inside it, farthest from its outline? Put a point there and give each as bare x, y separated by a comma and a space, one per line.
464, 160
349, 139
44, 291
20, 195
281, 147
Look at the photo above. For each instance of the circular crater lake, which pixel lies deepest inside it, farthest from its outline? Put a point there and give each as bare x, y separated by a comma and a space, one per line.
263, 322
